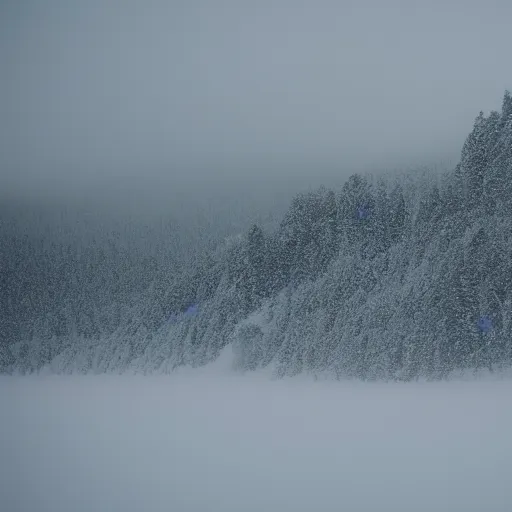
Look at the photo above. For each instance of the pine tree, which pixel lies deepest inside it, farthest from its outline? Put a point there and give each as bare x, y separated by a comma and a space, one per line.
474, 161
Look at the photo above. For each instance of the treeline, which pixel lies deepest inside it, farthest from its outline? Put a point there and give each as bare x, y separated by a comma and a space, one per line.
387, 278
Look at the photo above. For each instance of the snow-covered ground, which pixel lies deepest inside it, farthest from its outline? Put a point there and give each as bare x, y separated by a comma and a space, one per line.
215, 441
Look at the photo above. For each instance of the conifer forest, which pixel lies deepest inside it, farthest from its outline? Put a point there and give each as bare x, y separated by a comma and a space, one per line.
391, 276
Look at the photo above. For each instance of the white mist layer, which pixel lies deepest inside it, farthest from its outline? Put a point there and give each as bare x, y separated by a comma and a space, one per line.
210, 440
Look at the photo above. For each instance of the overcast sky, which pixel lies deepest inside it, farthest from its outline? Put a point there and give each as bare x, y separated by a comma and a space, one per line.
95, 91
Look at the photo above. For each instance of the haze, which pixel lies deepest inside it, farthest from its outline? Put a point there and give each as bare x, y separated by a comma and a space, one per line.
223, 96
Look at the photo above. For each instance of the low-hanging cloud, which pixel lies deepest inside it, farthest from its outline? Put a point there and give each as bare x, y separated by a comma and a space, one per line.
199, 92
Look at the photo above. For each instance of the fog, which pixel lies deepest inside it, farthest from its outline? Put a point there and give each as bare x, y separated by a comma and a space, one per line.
209, 439
147, 101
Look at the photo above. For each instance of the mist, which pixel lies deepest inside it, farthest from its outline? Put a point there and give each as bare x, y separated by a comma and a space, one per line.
204, 439
226, 228
181, 100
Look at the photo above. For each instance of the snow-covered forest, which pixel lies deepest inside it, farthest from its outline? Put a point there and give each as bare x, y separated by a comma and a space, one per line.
390, 277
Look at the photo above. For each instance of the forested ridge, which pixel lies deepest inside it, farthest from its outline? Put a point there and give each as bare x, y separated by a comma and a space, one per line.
390, 277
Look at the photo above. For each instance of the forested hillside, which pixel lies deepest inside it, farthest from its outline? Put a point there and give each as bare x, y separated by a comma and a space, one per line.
388, 278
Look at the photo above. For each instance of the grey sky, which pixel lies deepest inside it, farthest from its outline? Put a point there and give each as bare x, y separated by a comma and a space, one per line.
100, 90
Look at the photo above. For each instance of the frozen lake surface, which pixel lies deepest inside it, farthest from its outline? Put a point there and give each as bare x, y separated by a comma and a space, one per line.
215, 441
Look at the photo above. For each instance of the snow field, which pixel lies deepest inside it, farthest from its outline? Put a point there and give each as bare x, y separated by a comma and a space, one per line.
205, 440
